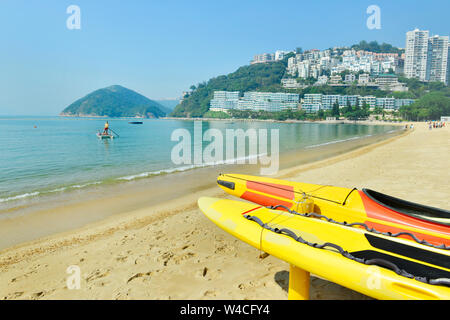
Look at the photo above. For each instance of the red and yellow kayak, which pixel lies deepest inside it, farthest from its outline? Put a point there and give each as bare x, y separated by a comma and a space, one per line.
375, 210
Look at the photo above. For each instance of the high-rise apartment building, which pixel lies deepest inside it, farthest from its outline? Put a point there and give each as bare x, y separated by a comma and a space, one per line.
416, 54
437, 68
427, 58
448, 65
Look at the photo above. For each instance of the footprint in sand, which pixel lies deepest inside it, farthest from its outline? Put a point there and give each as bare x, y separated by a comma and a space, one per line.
209, 274
210, 293
97, 274
24, 276
251, 284
40, 294
121, 258
184, 257
144, 275
165, 257
14, 295
224, 249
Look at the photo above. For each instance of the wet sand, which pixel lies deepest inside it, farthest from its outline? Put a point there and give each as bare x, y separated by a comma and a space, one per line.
152, 251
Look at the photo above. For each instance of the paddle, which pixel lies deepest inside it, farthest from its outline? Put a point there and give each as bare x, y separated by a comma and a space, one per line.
114, 132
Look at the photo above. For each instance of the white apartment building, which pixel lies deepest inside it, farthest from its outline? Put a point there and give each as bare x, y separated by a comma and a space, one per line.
312, 102
263, 58
403, 102
371, 101
224, 100
303, 69
416, 54
254, 101
336, 79
363, 79
316, 102
350, 78
322, 80
437, 66
386, 103
448, 65
291, 83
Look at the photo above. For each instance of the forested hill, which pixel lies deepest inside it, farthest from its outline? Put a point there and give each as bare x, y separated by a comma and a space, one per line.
256, 77
115, 101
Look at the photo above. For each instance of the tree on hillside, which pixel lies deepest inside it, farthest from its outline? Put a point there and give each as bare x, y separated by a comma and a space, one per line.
335, 112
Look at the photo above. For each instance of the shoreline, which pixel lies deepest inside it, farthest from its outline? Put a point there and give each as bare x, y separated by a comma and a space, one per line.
343, 121
174, 252
50, 213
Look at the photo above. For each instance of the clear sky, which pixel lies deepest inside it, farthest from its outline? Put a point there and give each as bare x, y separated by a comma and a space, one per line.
160, 48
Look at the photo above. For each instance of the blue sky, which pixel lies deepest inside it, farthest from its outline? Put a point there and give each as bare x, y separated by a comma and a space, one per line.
160, 48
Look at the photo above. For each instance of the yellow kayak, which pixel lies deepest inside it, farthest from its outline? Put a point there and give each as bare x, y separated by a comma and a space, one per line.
379, 266
373, 210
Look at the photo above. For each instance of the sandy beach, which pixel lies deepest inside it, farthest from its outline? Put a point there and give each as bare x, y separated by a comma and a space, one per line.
173, 251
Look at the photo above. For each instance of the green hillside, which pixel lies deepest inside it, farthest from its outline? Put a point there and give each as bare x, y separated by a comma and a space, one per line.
115, 101
256, 77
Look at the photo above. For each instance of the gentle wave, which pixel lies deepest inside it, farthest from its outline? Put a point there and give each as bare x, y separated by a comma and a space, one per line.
37, 193
343, 140
189, 167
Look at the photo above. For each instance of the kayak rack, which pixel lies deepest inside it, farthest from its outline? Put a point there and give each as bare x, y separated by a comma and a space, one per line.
298, 283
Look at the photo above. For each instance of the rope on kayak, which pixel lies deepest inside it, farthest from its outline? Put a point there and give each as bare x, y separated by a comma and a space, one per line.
365, 226
379, 262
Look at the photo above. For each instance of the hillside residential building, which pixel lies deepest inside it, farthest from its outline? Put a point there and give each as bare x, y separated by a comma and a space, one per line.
390, 82
322, 80
350, 78
336, 79
315, 102
291, 83
254, 101
263, 58
363, 78
224, 100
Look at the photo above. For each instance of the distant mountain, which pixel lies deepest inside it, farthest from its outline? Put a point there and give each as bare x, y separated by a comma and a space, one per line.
115, 101
169, 104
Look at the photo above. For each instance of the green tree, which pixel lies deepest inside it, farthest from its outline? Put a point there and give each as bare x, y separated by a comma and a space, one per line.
335, 110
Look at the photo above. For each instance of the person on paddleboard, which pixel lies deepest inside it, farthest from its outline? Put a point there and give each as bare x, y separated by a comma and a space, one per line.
105, 130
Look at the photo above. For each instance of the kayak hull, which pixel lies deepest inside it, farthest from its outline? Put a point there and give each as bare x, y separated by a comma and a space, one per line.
372, 280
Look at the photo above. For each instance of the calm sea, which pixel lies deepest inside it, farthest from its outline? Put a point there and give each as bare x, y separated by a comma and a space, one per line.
48, 155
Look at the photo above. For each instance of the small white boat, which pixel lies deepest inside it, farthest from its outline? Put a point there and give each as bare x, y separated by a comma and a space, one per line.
104, 136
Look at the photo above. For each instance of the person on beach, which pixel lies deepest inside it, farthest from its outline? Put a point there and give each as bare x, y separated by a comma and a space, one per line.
105, 130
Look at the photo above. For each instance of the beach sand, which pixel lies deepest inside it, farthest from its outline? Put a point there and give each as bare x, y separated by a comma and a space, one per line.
175, 252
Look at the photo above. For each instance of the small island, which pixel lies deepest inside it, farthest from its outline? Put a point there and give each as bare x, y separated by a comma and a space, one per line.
115, 101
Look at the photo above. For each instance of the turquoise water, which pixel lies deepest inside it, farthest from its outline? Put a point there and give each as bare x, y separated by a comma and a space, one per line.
63, 154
